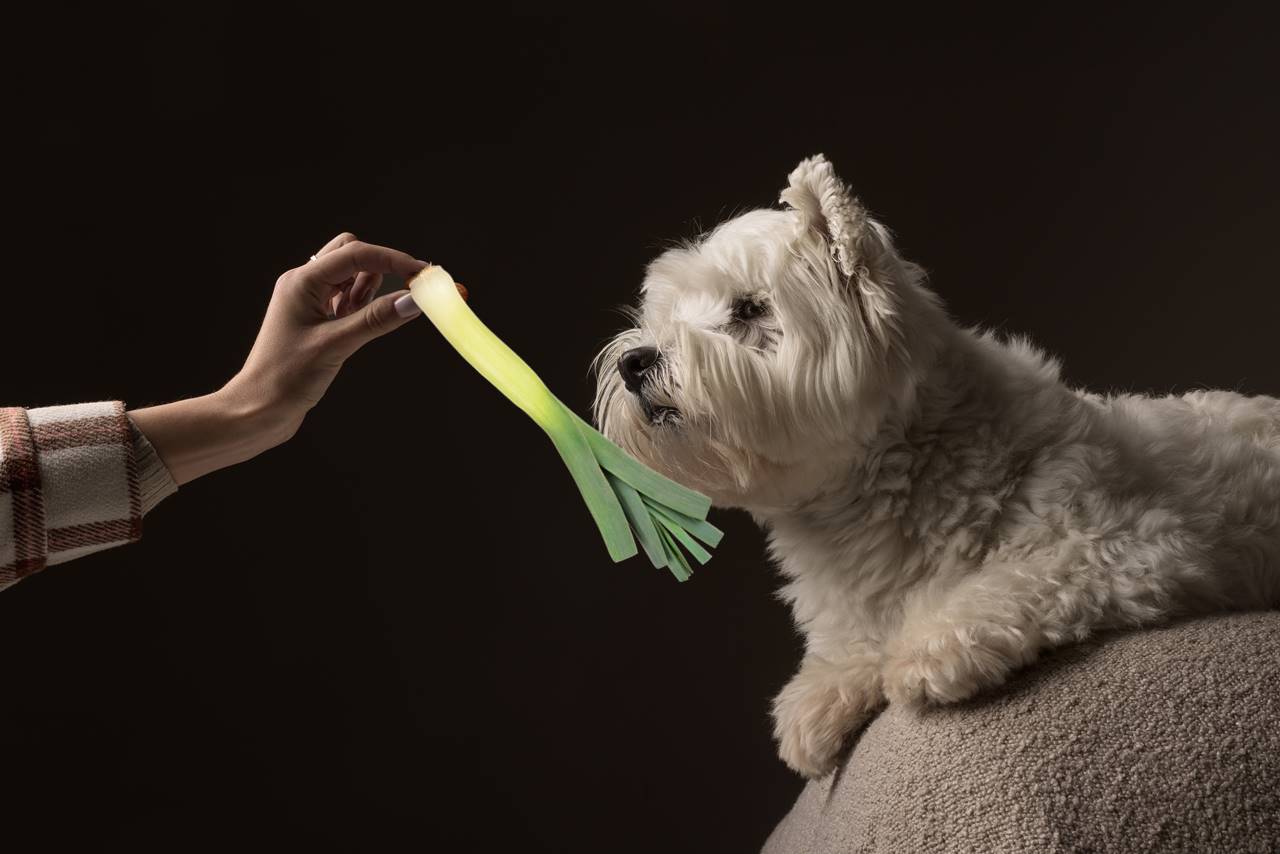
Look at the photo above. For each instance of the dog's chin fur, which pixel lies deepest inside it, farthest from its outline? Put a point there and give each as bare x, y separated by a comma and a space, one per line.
942, 506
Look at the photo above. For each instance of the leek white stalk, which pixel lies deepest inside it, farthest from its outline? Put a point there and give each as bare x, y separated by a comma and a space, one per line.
623, 495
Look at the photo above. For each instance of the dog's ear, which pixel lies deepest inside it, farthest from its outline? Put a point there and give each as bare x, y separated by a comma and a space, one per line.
828, 206
859, 245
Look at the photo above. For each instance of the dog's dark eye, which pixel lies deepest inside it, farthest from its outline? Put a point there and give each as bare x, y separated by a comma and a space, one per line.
748, 308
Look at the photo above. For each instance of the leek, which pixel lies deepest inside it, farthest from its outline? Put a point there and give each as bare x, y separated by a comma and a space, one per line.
627, 500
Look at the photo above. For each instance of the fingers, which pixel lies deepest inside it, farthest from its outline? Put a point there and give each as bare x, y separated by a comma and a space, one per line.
335, 267
337, 306
376, 319
356, 295
366, 286
331, 274
341, 240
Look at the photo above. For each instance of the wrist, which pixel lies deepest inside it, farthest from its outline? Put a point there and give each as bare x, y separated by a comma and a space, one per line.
256, 419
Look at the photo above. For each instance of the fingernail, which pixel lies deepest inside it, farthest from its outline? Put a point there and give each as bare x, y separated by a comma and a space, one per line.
406, 307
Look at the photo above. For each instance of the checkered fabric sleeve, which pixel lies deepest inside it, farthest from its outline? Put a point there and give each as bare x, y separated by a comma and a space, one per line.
73, 480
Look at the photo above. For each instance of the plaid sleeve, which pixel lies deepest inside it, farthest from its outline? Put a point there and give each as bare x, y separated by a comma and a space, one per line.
68, 485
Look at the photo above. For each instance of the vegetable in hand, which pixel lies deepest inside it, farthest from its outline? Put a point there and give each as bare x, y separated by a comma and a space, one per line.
628, 500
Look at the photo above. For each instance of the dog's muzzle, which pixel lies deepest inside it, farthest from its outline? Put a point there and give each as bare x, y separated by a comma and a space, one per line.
633, 366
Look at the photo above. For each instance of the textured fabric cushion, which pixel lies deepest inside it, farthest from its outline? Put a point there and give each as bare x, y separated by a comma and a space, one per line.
1163, 740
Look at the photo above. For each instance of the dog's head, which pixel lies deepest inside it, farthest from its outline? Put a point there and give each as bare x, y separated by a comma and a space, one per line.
767, 353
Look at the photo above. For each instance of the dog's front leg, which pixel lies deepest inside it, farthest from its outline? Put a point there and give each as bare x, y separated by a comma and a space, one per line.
954, 643
824, 702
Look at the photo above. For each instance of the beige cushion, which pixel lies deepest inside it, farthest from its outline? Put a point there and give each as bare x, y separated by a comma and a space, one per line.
1158, 740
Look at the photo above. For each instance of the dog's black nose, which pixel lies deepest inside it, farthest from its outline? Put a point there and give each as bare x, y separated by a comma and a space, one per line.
634, 364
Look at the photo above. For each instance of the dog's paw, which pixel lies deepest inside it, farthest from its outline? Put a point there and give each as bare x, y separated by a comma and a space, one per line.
810, 731
814, 714
950, 666
919, 677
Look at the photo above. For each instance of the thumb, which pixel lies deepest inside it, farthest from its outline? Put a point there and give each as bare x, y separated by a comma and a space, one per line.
374, 320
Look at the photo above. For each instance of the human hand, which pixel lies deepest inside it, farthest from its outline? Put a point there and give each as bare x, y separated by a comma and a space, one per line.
319, 315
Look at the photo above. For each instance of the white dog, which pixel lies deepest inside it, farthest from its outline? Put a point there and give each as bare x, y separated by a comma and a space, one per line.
942, 506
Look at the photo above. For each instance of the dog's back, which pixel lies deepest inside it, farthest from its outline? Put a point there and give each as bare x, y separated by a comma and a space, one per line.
1206, 463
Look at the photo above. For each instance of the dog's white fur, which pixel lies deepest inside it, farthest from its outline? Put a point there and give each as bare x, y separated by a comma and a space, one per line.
942, 506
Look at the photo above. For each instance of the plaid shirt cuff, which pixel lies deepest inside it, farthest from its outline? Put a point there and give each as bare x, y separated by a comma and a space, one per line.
69, 485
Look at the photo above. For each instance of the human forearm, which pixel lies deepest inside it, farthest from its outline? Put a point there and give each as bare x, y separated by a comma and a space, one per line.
203, 434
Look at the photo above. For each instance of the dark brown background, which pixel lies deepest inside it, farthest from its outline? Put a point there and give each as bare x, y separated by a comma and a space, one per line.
400, 629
